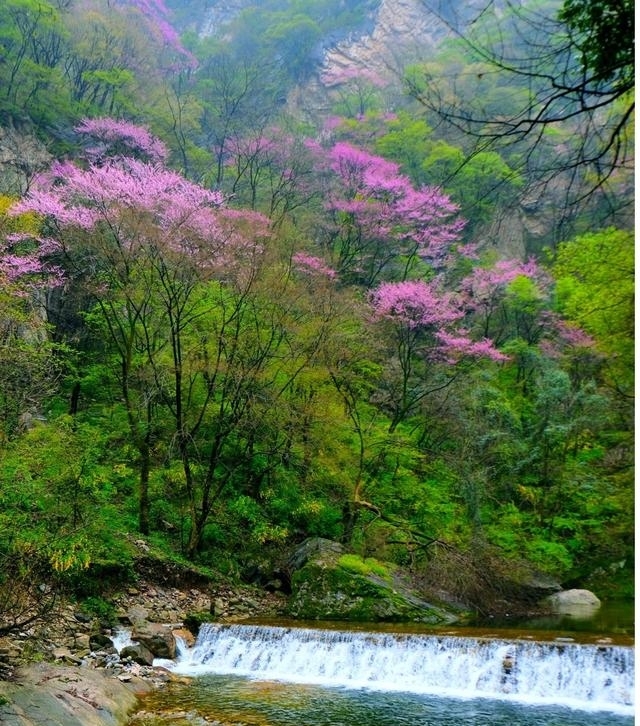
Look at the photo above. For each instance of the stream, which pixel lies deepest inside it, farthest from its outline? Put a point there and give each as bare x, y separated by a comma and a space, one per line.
271, 674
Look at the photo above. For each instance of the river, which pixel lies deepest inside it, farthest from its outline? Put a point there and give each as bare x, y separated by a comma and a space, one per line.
270, 674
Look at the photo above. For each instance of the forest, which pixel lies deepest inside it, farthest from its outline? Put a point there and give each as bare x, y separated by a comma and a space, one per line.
228, 326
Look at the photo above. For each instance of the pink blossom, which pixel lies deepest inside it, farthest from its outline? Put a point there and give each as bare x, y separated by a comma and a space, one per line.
157, 15
454, 346
311, 264
573, 336
415, 303
25, 264
384, 205
419, 305
136, 139
485, 285
147, 205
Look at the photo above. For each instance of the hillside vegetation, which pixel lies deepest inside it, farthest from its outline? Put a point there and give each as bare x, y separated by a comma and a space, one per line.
226, 330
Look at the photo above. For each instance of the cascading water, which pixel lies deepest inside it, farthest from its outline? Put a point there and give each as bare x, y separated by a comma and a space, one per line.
591, 677
121, 638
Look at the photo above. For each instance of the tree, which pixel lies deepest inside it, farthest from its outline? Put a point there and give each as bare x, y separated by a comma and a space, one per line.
383, 226
145, 242
594, 275
575, 84
236, 99
426, 330
29, 369
31, 36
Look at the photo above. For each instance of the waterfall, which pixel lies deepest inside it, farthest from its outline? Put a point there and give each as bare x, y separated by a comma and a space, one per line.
122, 638
589, 677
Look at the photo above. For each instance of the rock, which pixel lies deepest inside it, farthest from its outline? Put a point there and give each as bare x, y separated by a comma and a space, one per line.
158, 639
98, 641
314, 548
574, 603
60, 653
82, 641
333, 586
137, 614
185, 635
218, 606
54, 694
138, 653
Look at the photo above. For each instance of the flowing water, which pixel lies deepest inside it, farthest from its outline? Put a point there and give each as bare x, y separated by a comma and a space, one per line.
263, 675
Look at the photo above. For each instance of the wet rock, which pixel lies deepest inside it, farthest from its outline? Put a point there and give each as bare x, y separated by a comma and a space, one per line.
158, 639
138, 653
99, 641
185, 635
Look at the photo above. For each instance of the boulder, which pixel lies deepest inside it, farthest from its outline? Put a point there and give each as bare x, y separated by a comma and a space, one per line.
138, 653
186, 636
99, 641
330, 584
45, 693
135, 615
157, 638
575, 603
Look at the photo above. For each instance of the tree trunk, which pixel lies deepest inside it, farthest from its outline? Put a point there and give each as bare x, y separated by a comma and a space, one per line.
143, 509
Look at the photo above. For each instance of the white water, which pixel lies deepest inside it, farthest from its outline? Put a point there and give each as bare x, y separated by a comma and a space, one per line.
579, 676
121, 638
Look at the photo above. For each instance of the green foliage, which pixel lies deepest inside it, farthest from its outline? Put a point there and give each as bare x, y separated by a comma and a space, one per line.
369, 566
271, 417
595, 289
604, 35
99, 608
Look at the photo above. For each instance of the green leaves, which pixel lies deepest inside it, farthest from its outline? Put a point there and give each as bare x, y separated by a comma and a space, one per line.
603, 30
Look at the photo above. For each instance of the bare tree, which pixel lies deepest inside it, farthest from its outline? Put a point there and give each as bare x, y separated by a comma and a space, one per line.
570, 69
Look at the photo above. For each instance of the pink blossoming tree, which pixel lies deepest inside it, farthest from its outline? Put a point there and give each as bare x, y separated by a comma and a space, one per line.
383, 226
425, 325
159, 255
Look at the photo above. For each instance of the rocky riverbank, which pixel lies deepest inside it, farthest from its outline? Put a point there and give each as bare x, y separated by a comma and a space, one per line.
66, 671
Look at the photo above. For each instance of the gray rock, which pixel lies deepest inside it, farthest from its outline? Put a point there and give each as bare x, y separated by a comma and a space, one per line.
98, 641
138, 653
575, 603
314, 548
158, 639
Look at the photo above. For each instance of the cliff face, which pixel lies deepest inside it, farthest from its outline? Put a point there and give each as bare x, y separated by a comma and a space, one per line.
403, 30
219, 15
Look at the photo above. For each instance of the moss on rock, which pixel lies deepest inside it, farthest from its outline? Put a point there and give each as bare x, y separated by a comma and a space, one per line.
346, 587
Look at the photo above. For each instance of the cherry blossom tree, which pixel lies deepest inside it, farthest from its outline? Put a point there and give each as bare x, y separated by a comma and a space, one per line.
269, 170
116, 137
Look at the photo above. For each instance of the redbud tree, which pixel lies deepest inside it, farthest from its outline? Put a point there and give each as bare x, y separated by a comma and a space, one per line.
158, 254
383, 227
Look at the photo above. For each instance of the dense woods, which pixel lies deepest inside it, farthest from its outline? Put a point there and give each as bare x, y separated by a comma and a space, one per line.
226, 329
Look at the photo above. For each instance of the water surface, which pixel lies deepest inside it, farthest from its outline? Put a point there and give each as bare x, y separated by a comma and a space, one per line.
238, 701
